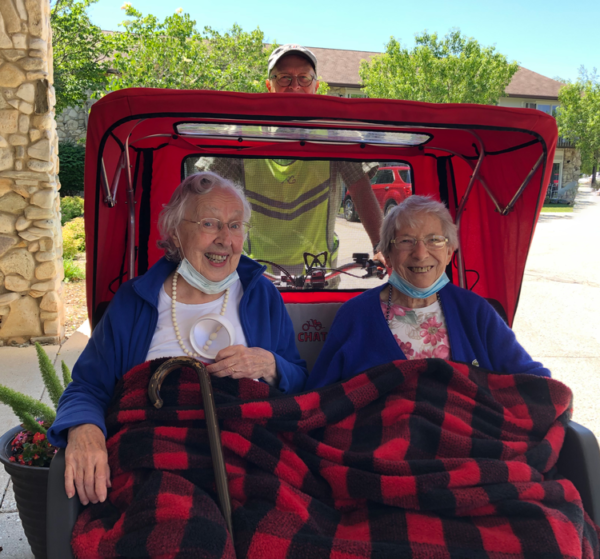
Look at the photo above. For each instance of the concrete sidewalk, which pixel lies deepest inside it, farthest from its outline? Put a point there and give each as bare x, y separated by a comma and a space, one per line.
19, 370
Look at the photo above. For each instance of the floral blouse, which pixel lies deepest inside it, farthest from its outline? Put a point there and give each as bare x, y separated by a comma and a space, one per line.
420, 333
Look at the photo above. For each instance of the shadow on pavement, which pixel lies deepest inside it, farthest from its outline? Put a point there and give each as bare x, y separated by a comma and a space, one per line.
552, 216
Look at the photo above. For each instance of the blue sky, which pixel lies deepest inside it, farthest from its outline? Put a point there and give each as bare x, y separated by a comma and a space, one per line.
552, 37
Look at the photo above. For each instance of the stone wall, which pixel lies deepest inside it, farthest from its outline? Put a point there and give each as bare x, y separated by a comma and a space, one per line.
31, 269
571, 165
71, 124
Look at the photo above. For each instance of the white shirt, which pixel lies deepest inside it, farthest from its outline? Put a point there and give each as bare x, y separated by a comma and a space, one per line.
164, 342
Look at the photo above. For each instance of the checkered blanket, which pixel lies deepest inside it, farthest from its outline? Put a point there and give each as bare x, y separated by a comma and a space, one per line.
420, 459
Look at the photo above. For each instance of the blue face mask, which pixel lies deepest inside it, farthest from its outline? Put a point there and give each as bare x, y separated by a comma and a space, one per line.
197, 280
417, 292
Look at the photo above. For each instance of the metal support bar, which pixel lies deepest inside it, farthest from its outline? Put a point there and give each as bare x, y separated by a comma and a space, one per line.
131, 216
490, 194
111, 198
462, 281
518, 193
131, 212
108, 199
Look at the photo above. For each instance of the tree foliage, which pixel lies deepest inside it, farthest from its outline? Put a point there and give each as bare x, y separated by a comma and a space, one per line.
578, 117
80, 53
455, 69
174, 54
148, 52
72, 166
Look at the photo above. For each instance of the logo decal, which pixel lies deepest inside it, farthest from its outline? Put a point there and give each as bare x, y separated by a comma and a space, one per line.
312, 331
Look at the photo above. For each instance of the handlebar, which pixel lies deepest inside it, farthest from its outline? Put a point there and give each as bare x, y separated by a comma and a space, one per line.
317, 276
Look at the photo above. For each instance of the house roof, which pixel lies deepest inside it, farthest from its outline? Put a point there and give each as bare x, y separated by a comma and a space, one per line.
339, 68
526, 83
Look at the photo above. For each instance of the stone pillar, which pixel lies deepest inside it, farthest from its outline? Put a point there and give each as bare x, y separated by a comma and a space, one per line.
31, 269
571, 165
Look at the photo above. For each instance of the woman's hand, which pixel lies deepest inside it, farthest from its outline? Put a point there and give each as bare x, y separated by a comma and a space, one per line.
86, 464
238, 361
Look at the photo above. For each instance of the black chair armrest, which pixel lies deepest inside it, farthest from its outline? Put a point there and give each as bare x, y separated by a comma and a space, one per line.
579, 462
61, 512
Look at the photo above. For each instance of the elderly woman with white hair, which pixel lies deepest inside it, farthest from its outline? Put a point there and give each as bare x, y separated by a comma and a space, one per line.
418, 313
203, 299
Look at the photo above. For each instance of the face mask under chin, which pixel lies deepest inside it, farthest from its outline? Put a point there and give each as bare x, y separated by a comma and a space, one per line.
415, 292
201, 283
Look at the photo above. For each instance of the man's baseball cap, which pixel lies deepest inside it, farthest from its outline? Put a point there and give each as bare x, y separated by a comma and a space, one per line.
284, 50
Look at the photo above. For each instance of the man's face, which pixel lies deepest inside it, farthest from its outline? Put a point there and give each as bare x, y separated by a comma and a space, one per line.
293, 66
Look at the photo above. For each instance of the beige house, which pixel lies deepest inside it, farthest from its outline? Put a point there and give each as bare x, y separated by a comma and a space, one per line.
527, 90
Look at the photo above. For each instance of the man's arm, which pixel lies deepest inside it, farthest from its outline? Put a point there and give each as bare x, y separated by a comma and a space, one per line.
358, 179
367, 207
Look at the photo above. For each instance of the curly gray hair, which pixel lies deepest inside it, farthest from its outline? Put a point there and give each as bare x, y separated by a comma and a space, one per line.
197, 184
407, 212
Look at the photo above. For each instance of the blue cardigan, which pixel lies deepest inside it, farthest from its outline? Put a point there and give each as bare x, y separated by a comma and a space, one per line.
360, 338
122, 340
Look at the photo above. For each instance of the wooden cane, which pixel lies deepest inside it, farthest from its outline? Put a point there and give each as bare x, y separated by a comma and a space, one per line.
212, 423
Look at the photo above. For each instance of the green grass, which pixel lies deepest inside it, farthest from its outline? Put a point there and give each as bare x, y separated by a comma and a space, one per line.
72, 271
555, 208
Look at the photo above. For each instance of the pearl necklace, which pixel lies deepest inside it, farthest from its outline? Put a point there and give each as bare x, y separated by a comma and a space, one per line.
211, 338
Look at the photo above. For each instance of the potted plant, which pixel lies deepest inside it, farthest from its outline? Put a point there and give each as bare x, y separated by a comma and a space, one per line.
26, 452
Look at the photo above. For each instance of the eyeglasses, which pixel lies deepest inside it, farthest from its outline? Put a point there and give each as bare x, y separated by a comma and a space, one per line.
211, 225
433, 242
285, 80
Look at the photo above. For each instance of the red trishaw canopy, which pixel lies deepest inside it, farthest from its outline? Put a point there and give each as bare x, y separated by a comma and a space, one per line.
136, 147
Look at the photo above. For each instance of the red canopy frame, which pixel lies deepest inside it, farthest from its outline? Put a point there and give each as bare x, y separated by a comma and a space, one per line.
490, 165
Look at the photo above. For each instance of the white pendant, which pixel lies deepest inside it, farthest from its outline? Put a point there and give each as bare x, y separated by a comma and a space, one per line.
203, 330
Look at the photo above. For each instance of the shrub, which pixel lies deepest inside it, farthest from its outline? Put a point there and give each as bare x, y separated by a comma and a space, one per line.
70, 208
72, 271
72, 157
73, 238
31, 447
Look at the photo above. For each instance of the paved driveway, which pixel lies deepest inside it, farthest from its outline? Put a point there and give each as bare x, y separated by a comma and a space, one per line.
558, 319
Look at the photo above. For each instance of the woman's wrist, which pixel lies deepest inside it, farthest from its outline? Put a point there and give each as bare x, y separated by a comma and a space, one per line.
271, 377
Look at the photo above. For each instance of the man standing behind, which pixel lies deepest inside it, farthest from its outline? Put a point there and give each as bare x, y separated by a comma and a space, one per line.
295, 202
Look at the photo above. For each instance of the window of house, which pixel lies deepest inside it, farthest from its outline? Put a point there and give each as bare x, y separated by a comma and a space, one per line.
545, 108
555, 180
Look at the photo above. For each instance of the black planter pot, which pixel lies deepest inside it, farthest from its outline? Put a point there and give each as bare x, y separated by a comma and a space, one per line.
30, 484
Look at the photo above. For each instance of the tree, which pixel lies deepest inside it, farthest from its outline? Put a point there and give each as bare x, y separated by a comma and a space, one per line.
455, 69
80, 52
578, 117
173, 54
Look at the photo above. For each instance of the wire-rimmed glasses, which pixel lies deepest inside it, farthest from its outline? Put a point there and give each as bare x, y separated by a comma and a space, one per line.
211, 225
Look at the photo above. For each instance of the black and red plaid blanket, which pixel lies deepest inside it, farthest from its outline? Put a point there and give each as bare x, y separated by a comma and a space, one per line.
417, 459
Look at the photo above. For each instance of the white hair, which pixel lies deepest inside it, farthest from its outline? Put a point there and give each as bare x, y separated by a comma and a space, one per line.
197, 184
407, 212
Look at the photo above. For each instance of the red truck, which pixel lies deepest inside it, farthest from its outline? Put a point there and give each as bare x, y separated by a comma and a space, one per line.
391, 184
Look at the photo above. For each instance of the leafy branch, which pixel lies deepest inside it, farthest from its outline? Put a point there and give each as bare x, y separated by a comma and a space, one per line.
452, 69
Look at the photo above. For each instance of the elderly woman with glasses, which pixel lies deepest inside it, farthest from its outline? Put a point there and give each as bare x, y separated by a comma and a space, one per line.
204, 299
419, 313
